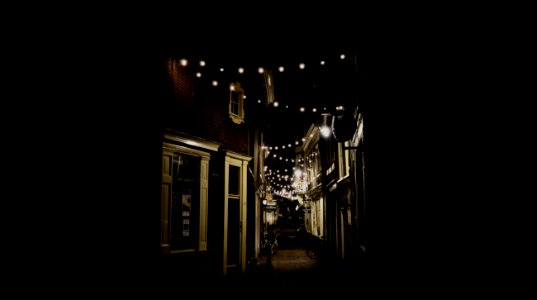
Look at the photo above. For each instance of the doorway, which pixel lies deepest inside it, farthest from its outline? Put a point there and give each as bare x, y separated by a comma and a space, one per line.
235, 209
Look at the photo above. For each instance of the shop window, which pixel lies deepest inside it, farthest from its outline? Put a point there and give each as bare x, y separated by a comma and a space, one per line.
184, 210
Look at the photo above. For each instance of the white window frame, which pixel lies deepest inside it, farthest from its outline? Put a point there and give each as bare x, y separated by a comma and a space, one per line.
240, 161
168, 148
344, 157
235, 87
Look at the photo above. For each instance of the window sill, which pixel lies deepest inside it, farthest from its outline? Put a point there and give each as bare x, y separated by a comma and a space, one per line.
236, 119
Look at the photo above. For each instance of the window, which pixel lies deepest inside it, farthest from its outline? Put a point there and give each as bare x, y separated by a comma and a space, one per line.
313, 164
184, 218
236, 103
344, 166
184, 196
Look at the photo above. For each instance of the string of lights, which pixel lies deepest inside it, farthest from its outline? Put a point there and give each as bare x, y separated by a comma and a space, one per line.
220, 75
284, 180
240, 70
215, 72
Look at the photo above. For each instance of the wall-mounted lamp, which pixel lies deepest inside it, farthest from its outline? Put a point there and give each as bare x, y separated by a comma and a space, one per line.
325, 129
344, 125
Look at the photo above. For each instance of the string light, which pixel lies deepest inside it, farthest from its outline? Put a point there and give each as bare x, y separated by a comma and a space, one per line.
184, 63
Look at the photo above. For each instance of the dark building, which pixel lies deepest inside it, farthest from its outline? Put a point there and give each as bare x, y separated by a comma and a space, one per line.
210, 164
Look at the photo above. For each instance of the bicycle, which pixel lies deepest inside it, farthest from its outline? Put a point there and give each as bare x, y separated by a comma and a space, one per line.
270, 244
315, 247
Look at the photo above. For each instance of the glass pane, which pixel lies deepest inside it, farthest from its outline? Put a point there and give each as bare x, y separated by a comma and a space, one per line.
235, 108
235, 102
184, 218
234, 179
233, 231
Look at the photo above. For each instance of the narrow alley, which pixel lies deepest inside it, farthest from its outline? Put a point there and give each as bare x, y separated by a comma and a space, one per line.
292, 270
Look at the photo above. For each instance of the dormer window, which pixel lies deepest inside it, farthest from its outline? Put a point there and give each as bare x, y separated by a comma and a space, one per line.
236, 103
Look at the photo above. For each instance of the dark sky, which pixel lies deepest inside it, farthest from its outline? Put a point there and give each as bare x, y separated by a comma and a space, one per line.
334, 83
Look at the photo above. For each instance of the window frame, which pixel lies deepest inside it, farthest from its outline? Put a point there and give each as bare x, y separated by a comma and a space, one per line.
236, 88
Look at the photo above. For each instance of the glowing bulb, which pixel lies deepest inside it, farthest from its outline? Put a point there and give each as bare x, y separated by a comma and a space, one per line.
183, 62
322, 62
221, 69
296, 142
302, 66
281, 69
325, 131
241, 70
289, 145
303, 139
298, 173
314, 110
198, 74
258, 101
276, 103
342, 56
215, 83
202, 63
302, 109
260, 70
231, 87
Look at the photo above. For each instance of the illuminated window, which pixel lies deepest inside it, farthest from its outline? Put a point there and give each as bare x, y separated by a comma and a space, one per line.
236, 103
